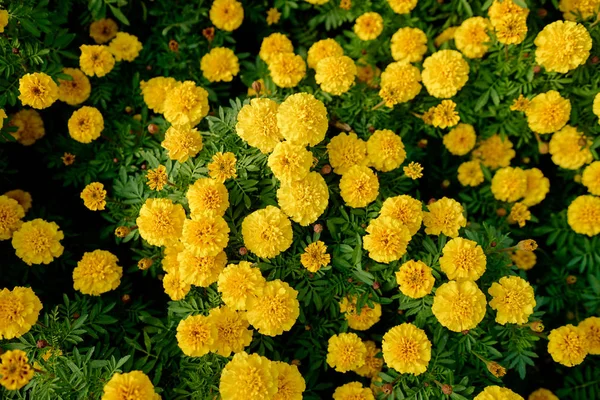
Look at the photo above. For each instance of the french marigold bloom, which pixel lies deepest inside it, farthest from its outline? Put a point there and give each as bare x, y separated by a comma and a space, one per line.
125, 47
462, 259
413, 170
68, 159
591, 330
275, 310
37, 90
368, 26
208, 195
444, 216
445, 72
233, 334
267, 232
86, 124
273, 45
373, 364
157, 178
196, 335
502, 8
590, 178
415, 279
94, 196
219, 65
513, 299
520, 214
596, 106
520, 103
345, 151
537, 187
527, 244
205, 234
186, 104
362, 319
226, 15
568, 345
239, 282
145, 263
523, 259
405, 209
175, 286
548, 112
182, 143
353, 391
22, 197
155, 92
103, 30
562, 46
583, 215
273, 16
249, 377
406, 349
315, 256
302, 119
290, 383
97, 272
575, 9
19, 311
290, 162
470, 173
385, 150
3, 20
169, 261
336, 74
444, 115
460, 140
446, 36
509, 184
497, 393
257, 124
386, 239
11, 213
346, 352
75, 91
135, 385
38, 242
542, 394
222, 166
471, 37
200, 271
96, 60
304, 200
459, 306
287, 69
359, 186
160, 221
15, 370
570, 148
399, 83
495, 152
323, 49
409, 44
402, 6
511, 29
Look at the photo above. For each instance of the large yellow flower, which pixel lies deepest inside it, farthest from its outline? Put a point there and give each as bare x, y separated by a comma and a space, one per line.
30, 126
497, 392
462, 259
591, 330
386, 239
205, 234
75, 91
267, 232
323, 49
509, 184
275, 310
304, 200
472, 38
513, 299
226, 14
445, 72
155, 92
385, 150
15, 370
346, 352
470, 173
290, 162
37, 90
103, 30
409, 44
160, 221
19, 311
406, 349
362, 319
315, 256
570, 148
353, 390
591, 178
459, 306
359, 186
257, 124
575, 9
239, 282
402, 6
125, 47
495, 151
583, 215
548, 112
290, 383
169, 261
249, 377
511, 29
537, 187
443, 116
38, 242
94, 196
542, 394
460, 140
415, 279
233, 334
182, 143
346, 150
86, 124
208, 196
11, 213
287, 69
562, 46
196, 335
568, 345
501, 8
302, 119
186, 104
220, 65
444, 216
405, 209
336, 74
200, 271
273, 45
97, 272
222, 166
134, 385
22, 197
175, 286
96, 60
400, 83
373, 364
368, 26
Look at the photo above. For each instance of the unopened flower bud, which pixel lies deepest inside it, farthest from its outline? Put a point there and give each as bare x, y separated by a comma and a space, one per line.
326, 170
40, 344
570, 315
173, 46
376, 285
243, 251
387, 388
115, 160
431, 201
125, 298
143, 166
122, 231
128, 109
528, 245
153, 129
493, 244
496, 369
445, 184
542, 12
257, 87
577, 178
15, 50
446, 389
595, 60
571, 279
537, 326
371, 129
501, 212
422, 143
296, 362
137, 117
465, 332
318, 228
526, 160
145, 263
148, 67
307, 327
76, 315
536, 69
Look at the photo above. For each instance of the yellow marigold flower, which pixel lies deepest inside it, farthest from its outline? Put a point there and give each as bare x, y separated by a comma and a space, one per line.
226, 15
290, 383
157, 178
385, 150
362, 319
38, 242
96, 60
182, 143
267, 232
249, 377
542, 394
37, 90
460, 140
528, 244
497, 392
502, 8
238, 282
575, 9
208, 195
511, 29
495, 151
11, 213
568, 345
196, 335
513, 299
345, 151
471, 37
97, 272
459, 306
367, 73
520, 214
463, 259
583, 215
562, 46
368, 26
275, 310
359, 186
373, 364
15, 370
3, 20
103, 30
520, 103
406, 349
315, 256
470, 173
346, 352
273, 16
590, 178
445, 72
596, 106
495, 369
399, 83
304, 200
169, 261
22, 197
205, 234
160, 221
125, 47
524, 259
591, 330
317, 2
302, 119
287, 69
68, 158
409, 44
94, 196
537, 187
155, 92
233, 334
145, 263
175, 286
570, 148
323, 49
509, 184
135, 385
19, 311
75, 91
257, 124
290, 162
444, 216
405, 209
200, 271
402, 6
219, 65
446, 36
186, 104
222, 166
336, 74
386, 239
86, 124
353, 391
548, 112
273, 45
415, 279
413, 170
445, 115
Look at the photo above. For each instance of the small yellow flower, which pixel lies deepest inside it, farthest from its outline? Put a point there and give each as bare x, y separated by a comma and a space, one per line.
353, 391
273, 16
182, 143
444, 216
368, 26
19, 311
15, 370
409, 44
96, 60
3, 20
86, 124
583, 215
205, 234
304, 200
226, 14
590, 178
362, 319
513, 299
570, 148
257, 124
345, 151
528, 245
287, 69
275, 310
157, 178
400, 83
94, 196
542, 394
511, 29
336, 74
37, 90
290, 383
135, 382
103, 30
302, 119
75, 91
239, 282
200, 271
30, 126
548, 112
315, 256
445, 72
222, 166
413, 170
249, 377
185, 105
373, 364
11, 214
591, 330
470, 173
460, 140
125, 47
38, 242
208, 195
523, 259
520, 214
233, 334
472, 38
386, 239
445, 115
155, 92
406, 349
415, 279
405, 209
97, 272
562, 46
267, 232
68, 159
346, 352
273, 45
459, 306
145, 263
160, 222
385, 150
321, 50
463, 259
509, 184
568, 345
520, 103
22, 197
219, 65
359, 186
402, 6
495, 151
122, 231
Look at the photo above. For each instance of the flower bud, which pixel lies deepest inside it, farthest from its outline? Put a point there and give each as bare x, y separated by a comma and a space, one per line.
326, 170
153, 129
387, 388
376, 285
257, 87
243, 251
122, 231
145, 263
318, 228
173, 46
537, 326
528, 244
571, 279
536, 69
542, 12
128, 109
125, 298
40, 344
446, 389
422, 143
501, 212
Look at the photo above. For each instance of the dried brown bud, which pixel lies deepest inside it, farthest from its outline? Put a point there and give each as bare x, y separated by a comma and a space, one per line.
542, 12
115, 160
387, 388
326, 170
570, 315
257, 87
571, 279
307, 327
525, 55
350, 280
493, 244
40, 344
536, 69
173, 46
446, 389
582, 142
148, 67
445, 184
465, 332
595, 60
400, 312
125, 298
143, 166
243, 251
318, 228
501, 212
422, 143
209, 33
430, 201
15, 50
371, 129
153, 129
296, 362
76, 315
376, 285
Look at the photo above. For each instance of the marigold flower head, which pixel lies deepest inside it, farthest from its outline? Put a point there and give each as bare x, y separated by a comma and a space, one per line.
315, 256
385, 150
75, 91
257, 124
290, 383
205, 234
523, 259
362, 319
576, 9
196, 335
386, 239
226, 15
346, 352
336, 74
94, 196
528, 244
511, 29
233, 334
583, 215
182, 143
568, 345
86, 124
11, 213
413, 170
444, 216
155, 92
497, 392
444, 115
68, 158
402, 6
562, 46
495, 152
238, 282
570, 149
38, 242
96, 60
249, 377
222, 166
267, 232
290, 162
273, 45
160, 221
502, 8
459, 306
461, 139
368, 26
409, 44
3, 20
37, 90
169, 261
273, 16
175, 286
103, 30
513, 299
219, 65
399, 83
157, 178
520, 103
445, 72
353, 391
125, 47
591, 330
359, 186
548, 112
405, 209
19, 311
186, 104
406, 349
542, 394
145, 263
135, 385
471, 37
323, 49
97, 272
287, 69
373, 364
345, 151
198, 270
537, 187
22, 197
446, 36
462, 259
415, 279
509, 184
304, 200
596, 106
208, 195
317, 2
275, 310
470, 173
302, 119
15, 370
590, 178
520, 214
